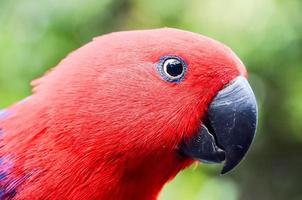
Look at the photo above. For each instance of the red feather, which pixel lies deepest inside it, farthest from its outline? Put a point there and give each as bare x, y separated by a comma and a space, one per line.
104, 124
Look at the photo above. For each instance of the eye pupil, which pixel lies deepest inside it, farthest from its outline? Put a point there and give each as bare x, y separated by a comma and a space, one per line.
174, 67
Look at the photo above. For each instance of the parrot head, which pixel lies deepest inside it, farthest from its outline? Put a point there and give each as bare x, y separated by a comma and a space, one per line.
139, 106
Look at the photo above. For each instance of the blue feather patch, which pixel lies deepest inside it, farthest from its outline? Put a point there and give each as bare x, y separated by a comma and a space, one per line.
3, 114
8, 182
6, 193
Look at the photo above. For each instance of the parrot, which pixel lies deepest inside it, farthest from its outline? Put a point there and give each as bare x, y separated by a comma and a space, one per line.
121, 116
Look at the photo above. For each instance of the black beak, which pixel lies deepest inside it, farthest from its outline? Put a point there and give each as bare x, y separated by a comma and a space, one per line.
229, 129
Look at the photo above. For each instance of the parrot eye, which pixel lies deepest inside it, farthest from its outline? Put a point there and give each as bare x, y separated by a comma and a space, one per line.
172, 68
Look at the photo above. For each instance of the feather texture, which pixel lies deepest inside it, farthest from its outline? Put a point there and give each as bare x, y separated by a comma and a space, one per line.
104, 125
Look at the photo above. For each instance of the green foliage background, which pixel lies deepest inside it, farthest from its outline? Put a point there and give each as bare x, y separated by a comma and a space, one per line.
266, 34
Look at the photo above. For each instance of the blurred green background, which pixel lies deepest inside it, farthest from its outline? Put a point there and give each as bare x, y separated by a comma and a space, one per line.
266, 34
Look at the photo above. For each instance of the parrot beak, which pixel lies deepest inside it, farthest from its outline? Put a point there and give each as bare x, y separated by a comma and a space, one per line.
229, 129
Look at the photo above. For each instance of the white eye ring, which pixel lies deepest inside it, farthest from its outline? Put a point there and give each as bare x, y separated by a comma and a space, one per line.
172, 68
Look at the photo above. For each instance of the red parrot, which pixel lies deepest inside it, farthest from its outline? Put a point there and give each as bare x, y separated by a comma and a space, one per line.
122, 115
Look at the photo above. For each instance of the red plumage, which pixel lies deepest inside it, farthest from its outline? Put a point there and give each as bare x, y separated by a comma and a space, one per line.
104, 124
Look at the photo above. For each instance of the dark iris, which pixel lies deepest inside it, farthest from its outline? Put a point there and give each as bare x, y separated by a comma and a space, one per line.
173, 67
